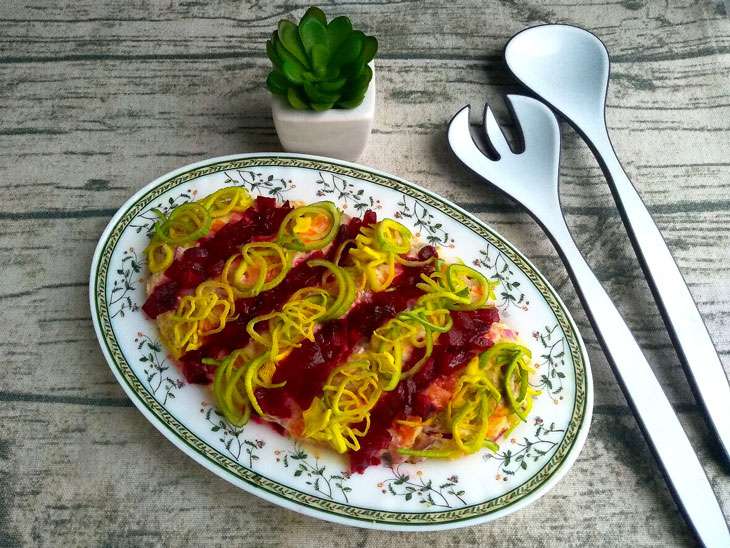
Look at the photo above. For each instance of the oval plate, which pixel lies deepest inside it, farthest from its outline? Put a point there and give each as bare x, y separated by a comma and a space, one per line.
314, 480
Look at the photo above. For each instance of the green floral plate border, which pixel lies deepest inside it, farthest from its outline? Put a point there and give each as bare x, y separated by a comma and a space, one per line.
534, 462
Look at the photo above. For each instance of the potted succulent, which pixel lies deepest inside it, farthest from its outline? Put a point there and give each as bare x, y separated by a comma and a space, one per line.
323, 91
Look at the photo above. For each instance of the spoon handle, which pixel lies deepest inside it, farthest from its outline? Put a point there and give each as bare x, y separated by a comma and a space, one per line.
656, 417
683, 321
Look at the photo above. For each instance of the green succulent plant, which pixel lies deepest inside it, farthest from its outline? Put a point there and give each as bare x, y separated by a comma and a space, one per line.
320, 65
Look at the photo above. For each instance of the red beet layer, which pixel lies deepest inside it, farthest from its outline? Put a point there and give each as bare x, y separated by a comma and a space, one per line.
306, 369
207, 259
234, 335
451, 352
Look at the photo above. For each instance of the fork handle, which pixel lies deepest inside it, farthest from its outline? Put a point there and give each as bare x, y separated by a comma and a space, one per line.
683, 321
656, 417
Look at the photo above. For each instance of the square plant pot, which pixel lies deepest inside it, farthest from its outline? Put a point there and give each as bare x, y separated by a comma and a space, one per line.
337, 133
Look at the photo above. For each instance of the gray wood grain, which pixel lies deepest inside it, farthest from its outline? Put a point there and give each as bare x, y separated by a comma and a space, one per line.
92, 483
98, 98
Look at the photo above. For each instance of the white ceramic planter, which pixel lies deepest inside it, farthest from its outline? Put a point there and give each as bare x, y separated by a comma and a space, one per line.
337, 133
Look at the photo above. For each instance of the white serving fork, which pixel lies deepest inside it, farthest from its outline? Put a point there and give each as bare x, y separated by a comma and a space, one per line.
531, 178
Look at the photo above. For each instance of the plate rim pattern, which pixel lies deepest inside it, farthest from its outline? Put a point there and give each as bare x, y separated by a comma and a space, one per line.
288, 496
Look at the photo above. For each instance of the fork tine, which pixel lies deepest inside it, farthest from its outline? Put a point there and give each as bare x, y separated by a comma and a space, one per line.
537, 127
495, 137
463, 145
536, 166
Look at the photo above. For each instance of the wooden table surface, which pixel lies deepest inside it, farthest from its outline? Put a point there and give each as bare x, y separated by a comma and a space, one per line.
99, 98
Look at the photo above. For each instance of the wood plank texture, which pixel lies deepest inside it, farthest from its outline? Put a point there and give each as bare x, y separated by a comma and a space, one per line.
91, 483
98, 98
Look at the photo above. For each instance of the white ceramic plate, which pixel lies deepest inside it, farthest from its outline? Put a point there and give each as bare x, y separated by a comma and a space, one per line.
430, 495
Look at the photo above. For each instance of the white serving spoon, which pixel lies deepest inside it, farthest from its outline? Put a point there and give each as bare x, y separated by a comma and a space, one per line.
568, 68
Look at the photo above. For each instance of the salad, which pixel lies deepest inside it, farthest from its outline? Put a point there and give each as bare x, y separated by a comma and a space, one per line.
341, 331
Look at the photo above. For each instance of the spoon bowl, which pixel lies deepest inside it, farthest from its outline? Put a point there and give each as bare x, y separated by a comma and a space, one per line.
568, 67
